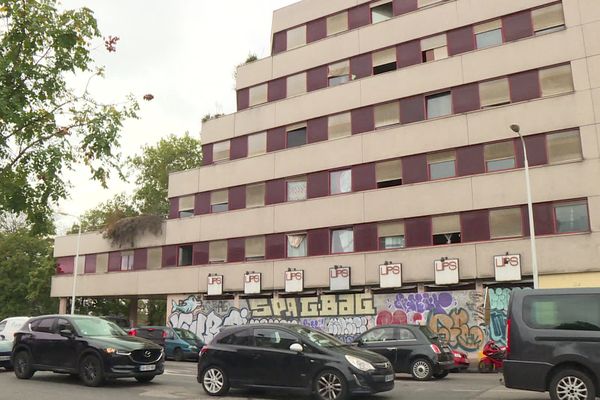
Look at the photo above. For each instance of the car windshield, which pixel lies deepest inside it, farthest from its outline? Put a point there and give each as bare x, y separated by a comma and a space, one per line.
316, 338
185, 334
97, 327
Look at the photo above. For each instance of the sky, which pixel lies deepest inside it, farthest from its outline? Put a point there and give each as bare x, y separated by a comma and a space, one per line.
183, 52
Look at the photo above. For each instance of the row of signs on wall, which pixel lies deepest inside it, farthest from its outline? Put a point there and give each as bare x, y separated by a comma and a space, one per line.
507, 268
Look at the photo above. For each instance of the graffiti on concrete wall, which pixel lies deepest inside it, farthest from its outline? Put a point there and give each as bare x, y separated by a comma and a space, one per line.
499, 298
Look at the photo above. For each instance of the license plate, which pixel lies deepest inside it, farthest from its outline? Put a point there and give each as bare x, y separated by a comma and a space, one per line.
147, 367
389, 378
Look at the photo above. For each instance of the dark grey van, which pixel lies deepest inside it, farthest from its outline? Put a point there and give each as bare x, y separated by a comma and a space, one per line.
554, 342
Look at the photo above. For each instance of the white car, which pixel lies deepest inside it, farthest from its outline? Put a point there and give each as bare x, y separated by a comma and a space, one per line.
8, 327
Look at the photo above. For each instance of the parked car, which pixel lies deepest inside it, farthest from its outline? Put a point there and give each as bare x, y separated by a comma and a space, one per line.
461, 361
121, 322
179, 344
8, 327
411, 349
292, 357
553, 337
90, 347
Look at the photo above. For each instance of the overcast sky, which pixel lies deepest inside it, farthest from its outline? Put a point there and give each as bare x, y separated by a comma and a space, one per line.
184, 53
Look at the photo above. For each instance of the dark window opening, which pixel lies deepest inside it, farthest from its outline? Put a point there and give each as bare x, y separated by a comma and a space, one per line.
296, 138
446, 238
380, 69
385, 184
382, 13
185, 255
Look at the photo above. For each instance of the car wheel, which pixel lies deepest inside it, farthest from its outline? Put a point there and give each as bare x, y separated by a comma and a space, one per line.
215, 381
178, 354
22, 365
572, 384
441, 374
330, 385
421, 369
90, 371
144, 379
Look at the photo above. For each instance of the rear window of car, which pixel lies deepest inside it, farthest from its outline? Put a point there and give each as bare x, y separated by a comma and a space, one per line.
150, 333
428, 333
43, 325
563, 312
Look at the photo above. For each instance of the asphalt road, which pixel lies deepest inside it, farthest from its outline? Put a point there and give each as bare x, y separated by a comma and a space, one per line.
179, 382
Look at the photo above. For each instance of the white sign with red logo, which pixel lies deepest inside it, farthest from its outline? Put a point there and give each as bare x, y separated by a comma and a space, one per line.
508, 267
252, 283
390, 275
294, 281
215, 285
446, 271
339, 278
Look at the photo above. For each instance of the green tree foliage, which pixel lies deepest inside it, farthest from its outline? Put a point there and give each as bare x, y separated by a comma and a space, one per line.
105, 214
46, 127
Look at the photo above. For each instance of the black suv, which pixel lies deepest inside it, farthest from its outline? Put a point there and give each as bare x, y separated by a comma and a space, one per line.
290, 357
553, 339
411, 349
91, 347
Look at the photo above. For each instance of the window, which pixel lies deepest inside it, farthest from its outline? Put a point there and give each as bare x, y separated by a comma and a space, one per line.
388, 173
64, 325
434, 48
405, 334
217, 251
548, 19
257, 144
494, 93
221, 151
274, 339
556, 80
296, 189
339, 73
384, 61
296, 135
446, 229
337, 23
186, 206
439, 105
442, 165
255, 248
340, 181
562, 312
296, 37
239, 338
564, 146
488, 34
296, 245
342, 241
339, 125
44, 325
296, 84
258, 94
255, 195
185, 255
219, 201
571, 217
387, 114
379, 335
154, 258
391, 235
499, 156
126, 260
506, 222
381, 11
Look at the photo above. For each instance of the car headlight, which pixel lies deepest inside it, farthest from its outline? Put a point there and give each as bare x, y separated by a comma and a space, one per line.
359, 363
113, 351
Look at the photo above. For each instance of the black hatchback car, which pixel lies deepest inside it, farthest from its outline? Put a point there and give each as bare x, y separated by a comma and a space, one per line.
90, 347
411, 349
290, 357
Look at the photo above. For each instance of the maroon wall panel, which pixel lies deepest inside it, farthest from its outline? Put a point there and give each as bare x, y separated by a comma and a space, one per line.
200, 253
412, 109
140, 259
279, 42
414, 169
277, 89
316, 130
470, 160
275, 191
525, 220
363, 120
536, 150
90, 264
275, 246
237, 197
64, 265
365, 237
475, 226
316, 78
543, 218
318, 184
404, 6
465, 98
359, 16
318, 242
363, 177
114, 261
173, 207
236, 250
524, 86
361, 66
409, 53
202, 203
207, 154
460, 40
417, 231
517, 26
243, 99
169, 256
238, 147
316, 30
276, 139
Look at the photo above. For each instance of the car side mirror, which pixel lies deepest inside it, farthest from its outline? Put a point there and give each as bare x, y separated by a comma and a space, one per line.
358, 342
67, 333
297, 347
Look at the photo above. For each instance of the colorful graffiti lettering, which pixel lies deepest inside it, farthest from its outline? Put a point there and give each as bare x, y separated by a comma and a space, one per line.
454, 328
498, 314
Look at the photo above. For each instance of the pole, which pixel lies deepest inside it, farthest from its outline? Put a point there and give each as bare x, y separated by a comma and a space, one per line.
534, 264
75, 270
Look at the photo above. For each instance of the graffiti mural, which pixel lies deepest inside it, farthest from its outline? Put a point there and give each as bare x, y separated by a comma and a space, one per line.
498, 314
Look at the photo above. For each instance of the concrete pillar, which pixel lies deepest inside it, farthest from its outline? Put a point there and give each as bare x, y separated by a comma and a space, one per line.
133, 311
62, 305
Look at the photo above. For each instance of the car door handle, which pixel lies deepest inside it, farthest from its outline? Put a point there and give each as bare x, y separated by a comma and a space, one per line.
391, 348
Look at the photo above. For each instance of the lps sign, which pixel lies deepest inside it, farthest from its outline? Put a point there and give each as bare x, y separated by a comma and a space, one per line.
446, 271
215, 285
508, 268
339, 278
390, 275
252, 283
294, 281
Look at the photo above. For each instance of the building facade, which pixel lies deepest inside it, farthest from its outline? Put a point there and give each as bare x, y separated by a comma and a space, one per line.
369, 175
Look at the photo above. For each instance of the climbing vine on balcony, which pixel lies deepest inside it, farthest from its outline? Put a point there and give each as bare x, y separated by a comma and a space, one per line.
124, 231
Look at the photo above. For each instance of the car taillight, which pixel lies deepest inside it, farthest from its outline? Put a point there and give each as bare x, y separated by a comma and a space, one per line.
435, 349
203, 350
132, 332
508, 322
164, 334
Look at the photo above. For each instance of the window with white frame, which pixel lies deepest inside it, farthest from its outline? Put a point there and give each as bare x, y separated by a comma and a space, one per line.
126, 260
342, 240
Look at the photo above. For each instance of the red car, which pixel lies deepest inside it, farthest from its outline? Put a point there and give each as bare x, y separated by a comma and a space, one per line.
461, 361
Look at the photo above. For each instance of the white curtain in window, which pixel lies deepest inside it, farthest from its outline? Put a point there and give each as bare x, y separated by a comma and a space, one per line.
341, 181
296, 246
296, 190
343, 241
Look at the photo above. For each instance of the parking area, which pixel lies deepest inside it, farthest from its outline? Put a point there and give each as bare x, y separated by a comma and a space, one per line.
179, 382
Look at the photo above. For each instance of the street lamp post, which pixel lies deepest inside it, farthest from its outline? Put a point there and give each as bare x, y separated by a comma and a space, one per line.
76, 260
534, 265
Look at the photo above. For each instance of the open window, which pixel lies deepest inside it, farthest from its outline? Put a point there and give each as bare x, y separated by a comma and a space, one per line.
390, 235
381, 11
388, 173
384, 61
446, 229
434, 48
184, 256
296, 245
338, 73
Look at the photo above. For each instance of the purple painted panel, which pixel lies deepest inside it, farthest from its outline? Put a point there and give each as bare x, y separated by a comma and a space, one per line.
243, 99
365, 237
465, 98
64, 265
237, 197
517, 26
363, 177
536, 150
275, 246
239, 147
417, 231
524, 86
316, 30
114, 261
277, 89
202, 203
543, 218
173, 207
525, 220
363, 120
207, 154
236, 250
409, 53
140, 259
316, 78
276, 139
200, 253
470, 160
318, 242
359, 16
414, 169
90, 264
316, 130
279, 42
169, 256
275, 191
361, 66
404, 6
412, 109
460, 40
475, 226
317, 184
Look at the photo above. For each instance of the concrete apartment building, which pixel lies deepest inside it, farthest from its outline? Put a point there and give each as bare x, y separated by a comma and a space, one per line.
369, 175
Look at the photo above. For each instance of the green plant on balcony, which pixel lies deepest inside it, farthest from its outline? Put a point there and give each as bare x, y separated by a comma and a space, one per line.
125, 231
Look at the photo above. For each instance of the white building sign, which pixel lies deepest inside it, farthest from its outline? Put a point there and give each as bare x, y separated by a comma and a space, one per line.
508, 267
446, 271
252, 283
215, 285
294, 281
339, 278
390, 275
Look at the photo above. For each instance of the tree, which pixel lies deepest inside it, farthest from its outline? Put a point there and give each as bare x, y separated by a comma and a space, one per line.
105, 214
45, 126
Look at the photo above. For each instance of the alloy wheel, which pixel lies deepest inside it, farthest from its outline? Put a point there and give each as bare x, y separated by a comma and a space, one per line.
89, 370
329, 386
421, 369
213, 380
571, 388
